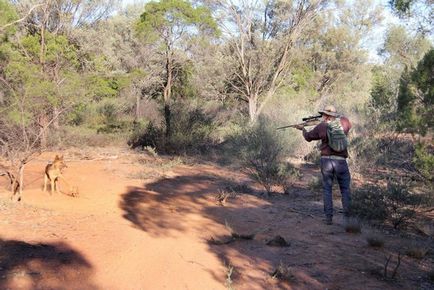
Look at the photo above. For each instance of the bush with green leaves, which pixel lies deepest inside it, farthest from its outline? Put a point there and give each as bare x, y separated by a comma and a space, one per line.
191, 131
424, 162
401, 203
416, 97
262, 149
368, 203
288, 176
395, 203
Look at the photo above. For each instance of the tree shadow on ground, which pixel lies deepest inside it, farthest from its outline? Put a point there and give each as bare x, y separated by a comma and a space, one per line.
319, 256
42, 266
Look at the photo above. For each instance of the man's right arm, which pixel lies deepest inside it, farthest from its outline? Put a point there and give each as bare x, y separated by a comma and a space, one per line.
314, 134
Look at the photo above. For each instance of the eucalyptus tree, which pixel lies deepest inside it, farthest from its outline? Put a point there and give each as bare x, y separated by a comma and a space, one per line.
336, 53
65, 15
415, 101
166, 24
419, 12
260, 38
40, 79
402, 51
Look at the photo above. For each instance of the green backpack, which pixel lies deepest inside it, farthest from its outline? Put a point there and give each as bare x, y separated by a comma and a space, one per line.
337, 140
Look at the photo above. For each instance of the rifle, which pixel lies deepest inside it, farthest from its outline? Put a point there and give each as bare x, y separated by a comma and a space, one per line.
307, 121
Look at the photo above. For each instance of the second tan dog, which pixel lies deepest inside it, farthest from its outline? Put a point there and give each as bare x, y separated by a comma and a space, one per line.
53, 172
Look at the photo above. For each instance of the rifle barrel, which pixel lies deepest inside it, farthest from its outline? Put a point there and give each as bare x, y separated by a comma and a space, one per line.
289, 126
312, 122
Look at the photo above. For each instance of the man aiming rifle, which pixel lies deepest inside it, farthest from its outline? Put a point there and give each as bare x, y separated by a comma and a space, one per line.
332, 131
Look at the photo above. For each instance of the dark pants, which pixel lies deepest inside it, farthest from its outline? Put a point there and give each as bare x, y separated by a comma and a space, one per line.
331, 168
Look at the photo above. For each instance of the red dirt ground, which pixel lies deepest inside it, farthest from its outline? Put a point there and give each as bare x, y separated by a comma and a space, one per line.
146, 223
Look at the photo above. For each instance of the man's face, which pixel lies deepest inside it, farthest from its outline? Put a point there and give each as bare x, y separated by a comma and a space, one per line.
326, 118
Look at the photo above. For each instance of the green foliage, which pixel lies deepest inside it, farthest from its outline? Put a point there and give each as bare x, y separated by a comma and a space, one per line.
382, 93
368, 203
99, 86
168, 19
418, 12
41, 83
261, 149
424, 161
192, 129
111, 121
77, 115
7, 16
416, 97
146, 135
288, 175
183, 86
401, 6
395, 203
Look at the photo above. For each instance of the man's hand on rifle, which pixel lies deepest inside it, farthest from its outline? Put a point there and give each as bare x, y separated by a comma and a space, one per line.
299, 126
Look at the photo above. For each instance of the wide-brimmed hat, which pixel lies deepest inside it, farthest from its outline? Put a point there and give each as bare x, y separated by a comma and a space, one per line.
329, 110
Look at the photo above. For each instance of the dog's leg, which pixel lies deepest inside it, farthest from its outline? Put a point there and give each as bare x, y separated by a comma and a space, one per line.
56, 183
45, 182
52, 185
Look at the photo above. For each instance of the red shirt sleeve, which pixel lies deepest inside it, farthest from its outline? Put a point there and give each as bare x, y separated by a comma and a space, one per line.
319, 132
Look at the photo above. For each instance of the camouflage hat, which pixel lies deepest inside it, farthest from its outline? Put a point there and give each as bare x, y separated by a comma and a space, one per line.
329, 110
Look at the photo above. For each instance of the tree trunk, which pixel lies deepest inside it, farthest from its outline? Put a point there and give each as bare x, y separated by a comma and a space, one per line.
43, 131
253, 106
17, 186
167, 117
137, 107
56, 120
167, 94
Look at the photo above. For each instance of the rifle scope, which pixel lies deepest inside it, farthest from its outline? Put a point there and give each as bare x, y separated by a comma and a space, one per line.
311, 118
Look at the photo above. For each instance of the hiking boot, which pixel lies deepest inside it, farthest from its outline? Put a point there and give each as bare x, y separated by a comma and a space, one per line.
328, 220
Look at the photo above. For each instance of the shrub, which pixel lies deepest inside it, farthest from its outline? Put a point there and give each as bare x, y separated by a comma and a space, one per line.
368, 203
111, 121
395, 203
424, 162
262, 151
375, 240
315, 184
145, 135
284, 273
401, 203
417, 251
191, 130
353, 226
288, 176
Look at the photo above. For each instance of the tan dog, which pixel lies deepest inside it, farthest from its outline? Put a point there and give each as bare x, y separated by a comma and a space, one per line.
53, 172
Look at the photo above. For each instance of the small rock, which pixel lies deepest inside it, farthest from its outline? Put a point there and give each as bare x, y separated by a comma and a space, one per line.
278, 241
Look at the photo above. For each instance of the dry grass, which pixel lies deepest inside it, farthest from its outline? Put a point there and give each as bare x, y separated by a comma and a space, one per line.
230, 270
223, 196
417, 251
284, 273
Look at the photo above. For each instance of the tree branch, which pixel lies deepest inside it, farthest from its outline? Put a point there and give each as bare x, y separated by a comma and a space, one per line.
22, 19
